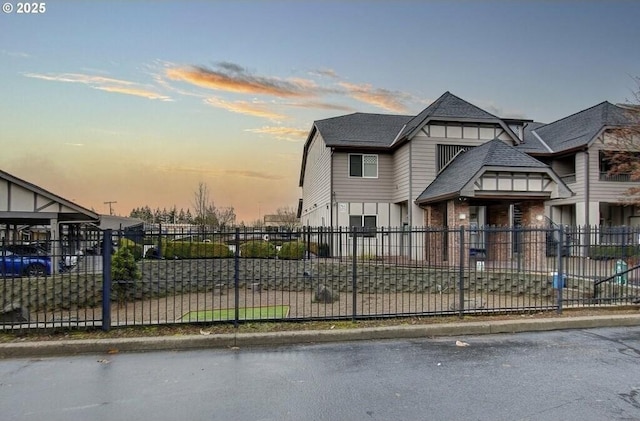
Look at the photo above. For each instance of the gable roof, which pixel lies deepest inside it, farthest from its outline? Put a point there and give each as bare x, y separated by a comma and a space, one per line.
361, 129
450, 108
357, 130
467, 165
65, 206
579, 129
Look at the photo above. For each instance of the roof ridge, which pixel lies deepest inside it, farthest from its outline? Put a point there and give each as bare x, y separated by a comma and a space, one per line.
574, 114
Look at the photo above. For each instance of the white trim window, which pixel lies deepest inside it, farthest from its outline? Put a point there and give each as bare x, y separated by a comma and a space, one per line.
363, 166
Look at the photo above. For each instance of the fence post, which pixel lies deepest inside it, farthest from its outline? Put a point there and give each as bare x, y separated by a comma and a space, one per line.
461, 256
560, 280
106, 279
236, 278
354, 272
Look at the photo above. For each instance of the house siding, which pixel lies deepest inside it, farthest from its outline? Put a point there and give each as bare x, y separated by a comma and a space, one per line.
316, 197
402, 172
604, 191
360, 189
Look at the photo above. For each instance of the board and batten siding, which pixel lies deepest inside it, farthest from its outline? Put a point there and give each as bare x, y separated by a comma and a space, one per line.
316, 191
14, 198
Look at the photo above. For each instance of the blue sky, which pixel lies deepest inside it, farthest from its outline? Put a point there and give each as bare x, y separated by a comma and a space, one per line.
139, 101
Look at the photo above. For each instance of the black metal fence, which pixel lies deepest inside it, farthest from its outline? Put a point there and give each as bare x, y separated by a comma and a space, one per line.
105, 279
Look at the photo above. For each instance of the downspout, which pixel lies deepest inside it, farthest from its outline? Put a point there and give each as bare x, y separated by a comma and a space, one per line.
587, 195
331, 195
410, 198
587, 198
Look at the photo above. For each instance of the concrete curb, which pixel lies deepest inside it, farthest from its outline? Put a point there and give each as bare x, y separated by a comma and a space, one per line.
176, 343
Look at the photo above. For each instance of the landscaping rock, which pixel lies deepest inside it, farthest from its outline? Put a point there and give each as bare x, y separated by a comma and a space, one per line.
14, 313
324, 295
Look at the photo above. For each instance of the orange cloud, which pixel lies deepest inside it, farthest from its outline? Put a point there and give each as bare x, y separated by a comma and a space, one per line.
244, 107
288, 134
233, 78
320, 105
223, 172
102, 83
382, 98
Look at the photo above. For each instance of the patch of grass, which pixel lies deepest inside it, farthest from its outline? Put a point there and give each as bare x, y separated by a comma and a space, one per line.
244, 313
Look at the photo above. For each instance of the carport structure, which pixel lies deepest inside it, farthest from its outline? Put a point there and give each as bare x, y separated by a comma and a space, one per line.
29, 213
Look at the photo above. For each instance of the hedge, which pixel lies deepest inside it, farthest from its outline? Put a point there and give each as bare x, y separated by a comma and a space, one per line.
195, 250
293, 250
258, 249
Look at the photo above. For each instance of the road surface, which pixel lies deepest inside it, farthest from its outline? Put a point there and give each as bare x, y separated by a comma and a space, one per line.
570, 375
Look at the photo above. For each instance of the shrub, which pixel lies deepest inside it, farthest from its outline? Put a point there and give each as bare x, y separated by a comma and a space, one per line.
134, 249
123, 266
605, 252
320, 250
195, 250
258, 249
293, 250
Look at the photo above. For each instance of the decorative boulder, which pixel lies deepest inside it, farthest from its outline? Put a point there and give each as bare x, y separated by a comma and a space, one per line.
324, 294
14, 313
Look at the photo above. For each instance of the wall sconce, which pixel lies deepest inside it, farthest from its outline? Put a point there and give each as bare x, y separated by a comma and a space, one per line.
462, 216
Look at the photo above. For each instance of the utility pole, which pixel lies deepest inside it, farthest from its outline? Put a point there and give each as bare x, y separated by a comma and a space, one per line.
110, 208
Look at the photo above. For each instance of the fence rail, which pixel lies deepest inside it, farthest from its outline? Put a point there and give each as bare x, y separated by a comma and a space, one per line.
106, 279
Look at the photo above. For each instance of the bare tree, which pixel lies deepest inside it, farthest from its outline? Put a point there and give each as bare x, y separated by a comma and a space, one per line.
226, 217
203, 207
624, 153
207, 215
287, 217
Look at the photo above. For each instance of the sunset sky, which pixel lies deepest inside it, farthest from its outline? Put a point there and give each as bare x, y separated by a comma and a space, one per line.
139, 101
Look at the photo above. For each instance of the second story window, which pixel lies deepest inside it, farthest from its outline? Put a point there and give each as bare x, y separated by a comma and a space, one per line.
365, 166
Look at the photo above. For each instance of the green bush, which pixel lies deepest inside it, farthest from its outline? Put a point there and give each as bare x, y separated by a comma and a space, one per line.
195, 250
293, 250
320, 250
134, 249
258, 249
123, 266
605, 252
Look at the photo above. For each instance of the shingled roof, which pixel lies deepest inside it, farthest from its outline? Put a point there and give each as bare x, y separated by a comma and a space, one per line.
467, 165
579, 129
361, 129
450, 107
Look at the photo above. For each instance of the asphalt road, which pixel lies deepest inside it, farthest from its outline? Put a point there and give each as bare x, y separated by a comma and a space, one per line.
570, 375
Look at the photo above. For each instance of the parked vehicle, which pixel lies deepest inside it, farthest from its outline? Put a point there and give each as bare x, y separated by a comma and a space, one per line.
33, 260
24, 260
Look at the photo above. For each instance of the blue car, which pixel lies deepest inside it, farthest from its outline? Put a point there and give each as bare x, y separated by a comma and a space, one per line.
22, 260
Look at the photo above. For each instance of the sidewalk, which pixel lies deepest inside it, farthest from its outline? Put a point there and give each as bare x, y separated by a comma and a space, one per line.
32, 349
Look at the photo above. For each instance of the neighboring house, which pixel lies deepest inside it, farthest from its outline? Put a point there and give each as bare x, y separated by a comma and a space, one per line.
29, 213
456, 164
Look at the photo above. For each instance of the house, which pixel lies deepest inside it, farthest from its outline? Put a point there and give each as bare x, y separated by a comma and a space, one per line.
455, 164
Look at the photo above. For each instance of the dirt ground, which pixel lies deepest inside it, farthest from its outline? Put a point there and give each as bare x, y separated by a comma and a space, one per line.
132, 319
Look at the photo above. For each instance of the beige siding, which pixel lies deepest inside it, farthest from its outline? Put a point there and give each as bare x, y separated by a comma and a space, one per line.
317, 184
359, 189
604, 191
4, 196
401, 172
